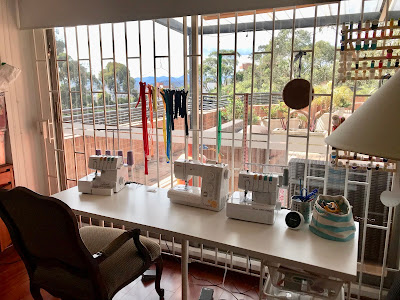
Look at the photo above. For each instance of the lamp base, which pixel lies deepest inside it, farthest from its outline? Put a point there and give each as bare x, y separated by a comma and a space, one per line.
390, 199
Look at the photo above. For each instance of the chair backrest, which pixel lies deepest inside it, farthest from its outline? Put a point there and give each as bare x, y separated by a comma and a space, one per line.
44, 231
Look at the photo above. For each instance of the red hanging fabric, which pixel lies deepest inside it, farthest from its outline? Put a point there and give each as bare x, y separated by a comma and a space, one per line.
150, 95
142, 98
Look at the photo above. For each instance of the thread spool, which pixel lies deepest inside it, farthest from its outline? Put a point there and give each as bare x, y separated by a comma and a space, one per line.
396, 63
371, 73
374, 43
391, 27
129, 158
98, 151
358, 44
372, 64
374, 25
108, 152
380, 64
348, 75
285, 177
368, 24
366, 45
348, 64
389, 53
389, 62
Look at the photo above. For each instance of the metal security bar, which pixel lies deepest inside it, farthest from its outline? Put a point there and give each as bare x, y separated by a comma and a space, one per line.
99, 67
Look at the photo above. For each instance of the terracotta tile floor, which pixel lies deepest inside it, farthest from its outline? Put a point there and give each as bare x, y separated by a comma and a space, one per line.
14, 282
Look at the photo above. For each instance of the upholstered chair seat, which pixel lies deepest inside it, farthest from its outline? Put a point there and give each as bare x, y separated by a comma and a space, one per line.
91, 263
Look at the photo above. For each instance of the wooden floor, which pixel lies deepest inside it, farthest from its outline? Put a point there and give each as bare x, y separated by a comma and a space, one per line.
14, 282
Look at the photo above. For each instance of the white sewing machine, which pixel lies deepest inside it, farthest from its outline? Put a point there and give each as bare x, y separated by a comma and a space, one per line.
258, 201
110, 180
214, 185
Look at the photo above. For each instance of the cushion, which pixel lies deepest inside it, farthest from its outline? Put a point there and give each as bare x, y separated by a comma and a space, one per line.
125, 264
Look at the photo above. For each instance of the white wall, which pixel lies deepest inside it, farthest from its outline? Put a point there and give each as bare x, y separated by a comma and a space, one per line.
23, 102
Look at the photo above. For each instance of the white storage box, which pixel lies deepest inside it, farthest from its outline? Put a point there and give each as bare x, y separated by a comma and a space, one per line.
305, 283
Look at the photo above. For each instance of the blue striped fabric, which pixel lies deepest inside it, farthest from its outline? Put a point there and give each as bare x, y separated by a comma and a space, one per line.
330, 237
332, 226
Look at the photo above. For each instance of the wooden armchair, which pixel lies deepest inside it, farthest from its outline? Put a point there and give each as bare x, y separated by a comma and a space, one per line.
90, 263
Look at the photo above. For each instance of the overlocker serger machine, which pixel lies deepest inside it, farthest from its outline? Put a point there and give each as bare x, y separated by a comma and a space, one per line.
214, 189
111, 178
258, 201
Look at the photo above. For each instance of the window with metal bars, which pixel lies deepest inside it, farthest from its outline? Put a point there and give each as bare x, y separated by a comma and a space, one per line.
235, 65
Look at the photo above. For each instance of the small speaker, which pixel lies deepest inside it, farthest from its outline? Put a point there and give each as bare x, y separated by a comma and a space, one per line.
294, 220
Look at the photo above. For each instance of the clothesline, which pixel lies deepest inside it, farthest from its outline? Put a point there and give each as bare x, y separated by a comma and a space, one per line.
175, 105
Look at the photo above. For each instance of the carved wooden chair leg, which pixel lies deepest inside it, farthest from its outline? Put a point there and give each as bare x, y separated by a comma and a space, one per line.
159, 269
35, 292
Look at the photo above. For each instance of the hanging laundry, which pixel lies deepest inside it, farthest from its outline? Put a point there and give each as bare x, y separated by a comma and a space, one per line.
170, 105
142, 98
178, 97
168, 101
245, 123
184, 111
164, 122
219, 136
175, 105
180, 107
150, 96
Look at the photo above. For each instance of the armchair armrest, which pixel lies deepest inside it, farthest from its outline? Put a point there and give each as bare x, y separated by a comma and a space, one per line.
112, 247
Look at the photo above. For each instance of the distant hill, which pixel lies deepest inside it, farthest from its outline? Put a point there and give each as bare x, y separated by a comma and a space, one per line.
175, 81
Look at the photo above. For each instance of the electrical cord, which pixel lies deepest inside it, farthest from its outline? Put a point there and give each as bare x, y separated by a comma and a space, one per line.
219, 285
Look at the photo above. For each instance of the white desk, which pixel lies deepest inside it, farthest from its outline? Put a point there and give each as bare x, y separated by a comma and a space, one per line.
150, 209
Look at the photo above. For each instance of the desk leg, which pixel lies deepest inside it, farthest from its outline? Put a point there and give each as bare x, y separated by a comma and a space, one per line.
261, 285
185, 269
349, 290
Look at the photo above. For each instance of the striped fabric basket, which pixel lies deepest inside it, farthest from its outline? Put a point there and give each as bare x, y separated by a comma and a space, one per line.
331, 226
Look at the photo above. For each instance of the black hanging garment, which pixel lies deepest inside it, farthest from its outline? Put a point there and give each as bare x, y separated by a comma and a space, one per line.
183, 111
178, 96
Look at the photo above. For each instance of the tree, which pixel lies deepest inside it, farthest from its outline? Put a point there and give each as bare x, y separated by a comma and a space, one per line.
210, 65
121, 80
75, 79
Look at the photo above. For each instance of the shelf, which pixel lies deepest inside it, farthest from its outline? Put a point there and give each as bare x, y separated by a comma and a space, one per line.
376, 58
378, 38
376, 69
397, 47
369, 29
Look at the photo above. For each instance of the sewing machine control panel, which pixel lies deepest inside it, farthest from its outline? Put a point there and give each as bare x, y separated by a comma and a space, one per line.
105, 162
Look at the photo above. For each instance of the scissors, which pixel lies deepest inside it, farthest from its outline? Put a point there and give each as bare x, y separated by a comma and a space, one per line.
308, 196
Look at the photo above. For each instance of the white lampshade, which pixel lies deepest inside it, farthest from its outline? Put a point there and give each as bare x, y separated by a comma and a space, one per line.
374, 128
